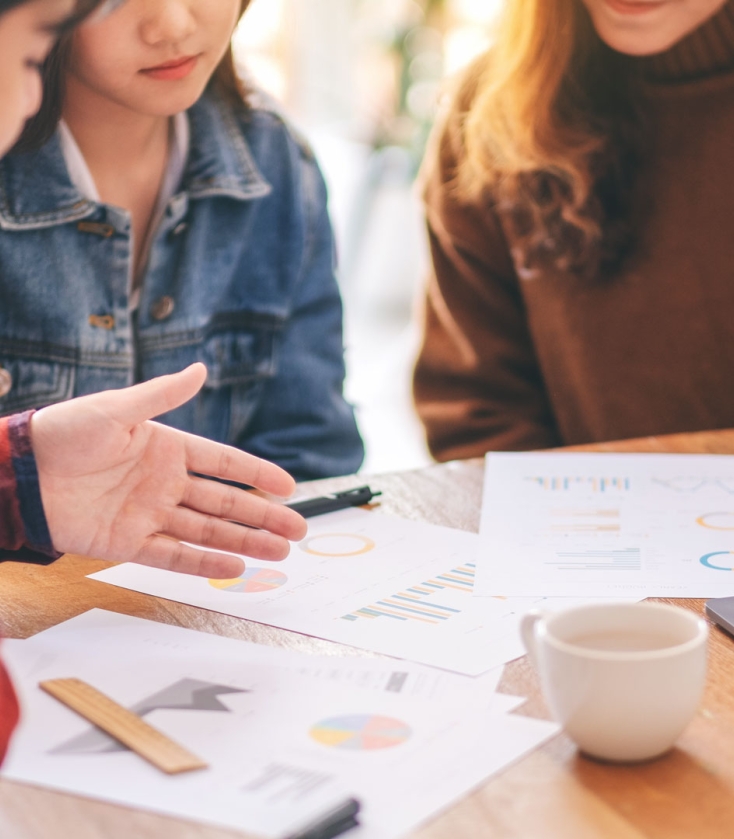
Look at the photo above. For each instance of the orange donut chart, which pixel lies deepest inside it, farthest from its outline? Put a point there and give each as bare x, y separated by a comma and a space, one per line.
365, 544
709, 520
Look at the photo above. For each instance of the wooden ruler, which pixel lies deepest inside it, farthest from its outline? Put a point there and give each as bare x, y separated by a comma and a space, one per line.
123, 725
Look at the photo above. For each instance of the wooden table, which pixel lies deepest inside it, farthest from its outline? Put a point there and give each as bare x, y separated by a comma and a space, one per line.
551, 794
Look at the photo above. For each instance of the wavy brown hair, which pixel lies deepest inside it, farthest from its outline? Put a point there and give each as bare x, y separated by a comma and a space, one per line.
553, 131
40, 128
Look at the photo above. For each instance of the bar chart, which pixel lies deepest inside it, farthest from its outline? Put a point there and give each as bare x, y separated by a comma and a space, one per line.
588, 483
624, 559
411, 603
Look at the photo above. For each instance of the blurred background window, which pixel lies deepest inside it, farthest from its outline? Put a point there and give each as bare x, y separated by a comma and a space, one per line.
362, 80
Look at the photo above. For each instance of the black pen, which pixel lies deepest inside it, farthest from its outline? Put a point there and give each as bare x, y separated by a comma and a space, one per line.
337, 501
337, 821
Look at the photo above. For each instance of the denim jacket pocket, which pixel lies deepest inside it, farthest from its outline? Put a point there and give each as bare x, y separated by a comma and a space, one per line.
240, 354
237, 357
33, 384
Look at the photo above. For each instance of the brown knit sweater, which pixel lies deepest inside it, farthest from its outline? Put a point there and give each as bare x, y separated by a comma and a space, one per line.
558, 360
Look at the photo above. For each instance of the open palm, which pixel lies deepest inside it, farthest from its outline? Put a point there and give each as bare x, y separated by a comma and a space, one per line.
117, 486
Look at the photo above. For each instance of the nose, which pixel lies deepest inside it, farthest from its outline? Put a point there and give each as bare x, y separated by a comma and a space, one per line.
167, 21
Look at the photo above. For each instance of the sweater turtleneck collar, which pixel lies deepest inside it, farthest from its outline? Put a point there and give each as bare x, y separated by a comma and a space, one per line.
707, 51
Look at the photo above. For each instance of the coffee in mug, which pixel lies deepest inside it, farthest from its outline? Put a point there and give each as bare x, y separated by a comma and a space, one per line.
623, 679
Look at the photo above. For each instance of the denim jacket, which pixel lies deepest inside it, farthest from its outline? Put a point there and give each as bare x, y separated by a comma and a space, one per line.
240, 276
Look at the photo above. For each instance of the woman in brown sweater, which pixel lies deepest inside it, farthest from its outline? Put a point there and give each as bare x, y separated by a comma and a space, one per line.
580, 203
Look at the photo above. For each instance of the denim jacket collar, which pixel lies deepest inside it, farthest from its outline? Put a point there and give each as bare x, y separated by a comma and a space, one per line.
36, 190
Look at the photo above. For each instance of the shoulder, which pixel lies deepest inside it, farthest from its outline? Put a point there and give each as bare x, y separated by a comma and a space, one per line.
253, 143
266, 107
275, 147
282, 151
261, 119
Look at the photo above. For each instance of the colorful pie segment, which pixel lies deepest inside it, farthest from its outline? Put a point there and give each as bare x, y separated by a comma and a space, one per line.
253, 581
361, 732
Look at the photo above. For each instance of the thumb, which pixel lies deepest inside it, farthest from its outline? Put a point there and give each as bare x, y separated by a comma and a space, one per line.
133, 405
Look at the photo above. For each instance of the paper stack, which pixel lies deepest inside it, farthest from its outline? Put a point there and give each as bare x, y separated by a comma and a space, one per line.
286, 736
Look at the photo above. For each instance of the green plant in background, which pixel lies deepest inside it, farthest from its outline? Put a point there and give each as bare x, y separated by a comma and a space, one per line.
417, 50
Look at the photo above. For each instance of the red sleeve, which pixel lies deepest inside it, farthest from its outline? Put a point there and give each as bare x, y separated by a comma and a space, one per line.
24, 535
12, 530
9, 712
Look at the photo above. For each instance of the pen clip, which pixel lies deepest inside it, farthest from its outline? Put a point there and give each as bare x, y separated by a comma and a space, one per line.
359, 495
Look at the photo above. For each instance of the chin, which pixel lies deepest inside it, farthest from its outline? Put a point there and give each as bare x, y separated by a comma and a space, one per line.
638, 43
10, 131
6, 141
170, 102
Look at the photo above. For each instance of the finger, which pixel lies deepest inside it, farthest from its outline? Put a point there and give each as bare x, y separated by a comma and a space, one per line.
233, 504
161, 552
213, 533
133, 405
209, 458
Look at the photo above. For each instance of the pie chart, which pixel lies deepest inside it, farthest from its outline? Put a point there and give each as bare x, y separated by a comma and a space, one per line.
361, 732
253, 581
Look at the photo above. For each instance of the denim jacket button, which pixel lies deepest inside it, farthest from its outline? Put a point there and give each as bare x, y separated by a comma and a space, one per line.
102, 321
6, 382
96, 229
163, 308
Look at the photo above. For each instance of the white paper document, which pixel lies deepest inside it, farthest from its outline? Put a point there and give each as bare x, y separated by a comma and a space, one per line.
607, 525
284, 741
110, 634
368, 580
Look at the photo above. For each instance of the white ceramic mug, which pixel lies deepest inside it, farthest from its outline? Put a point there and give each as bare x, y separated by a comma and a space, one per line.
623, 679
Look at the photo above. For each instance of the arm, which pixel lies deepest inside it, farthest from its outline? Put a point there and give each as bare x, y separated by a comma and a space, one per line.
477, 384
119, 487
14, 449
24, 534
304, 423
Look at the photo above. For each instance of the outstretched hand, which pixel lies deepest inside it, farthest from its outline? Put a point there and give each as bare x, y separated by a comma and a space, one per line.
116, 486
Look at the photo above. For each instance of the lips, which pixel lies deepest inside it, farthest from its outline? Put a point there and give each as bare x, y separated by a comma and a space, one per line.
174, 70
634, 7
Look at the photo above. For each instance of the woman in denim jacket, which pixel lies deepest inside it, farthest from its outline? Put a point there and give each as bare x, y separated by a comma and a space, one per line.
223, 253
92, 475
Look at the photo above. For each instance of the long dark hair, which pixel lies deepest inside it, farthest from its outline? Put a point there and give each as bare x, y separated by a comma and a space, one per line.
32, 135
82, 9
40, 128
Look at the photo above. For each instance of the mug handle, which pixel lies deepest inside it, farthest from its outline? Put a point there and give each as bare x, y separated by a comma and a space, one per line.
527, 633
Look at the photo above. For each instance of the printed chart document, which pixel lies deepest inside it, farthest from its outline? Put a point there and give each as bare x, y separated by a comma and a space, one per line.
369, 580
282, 746
607, 525
110, 634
